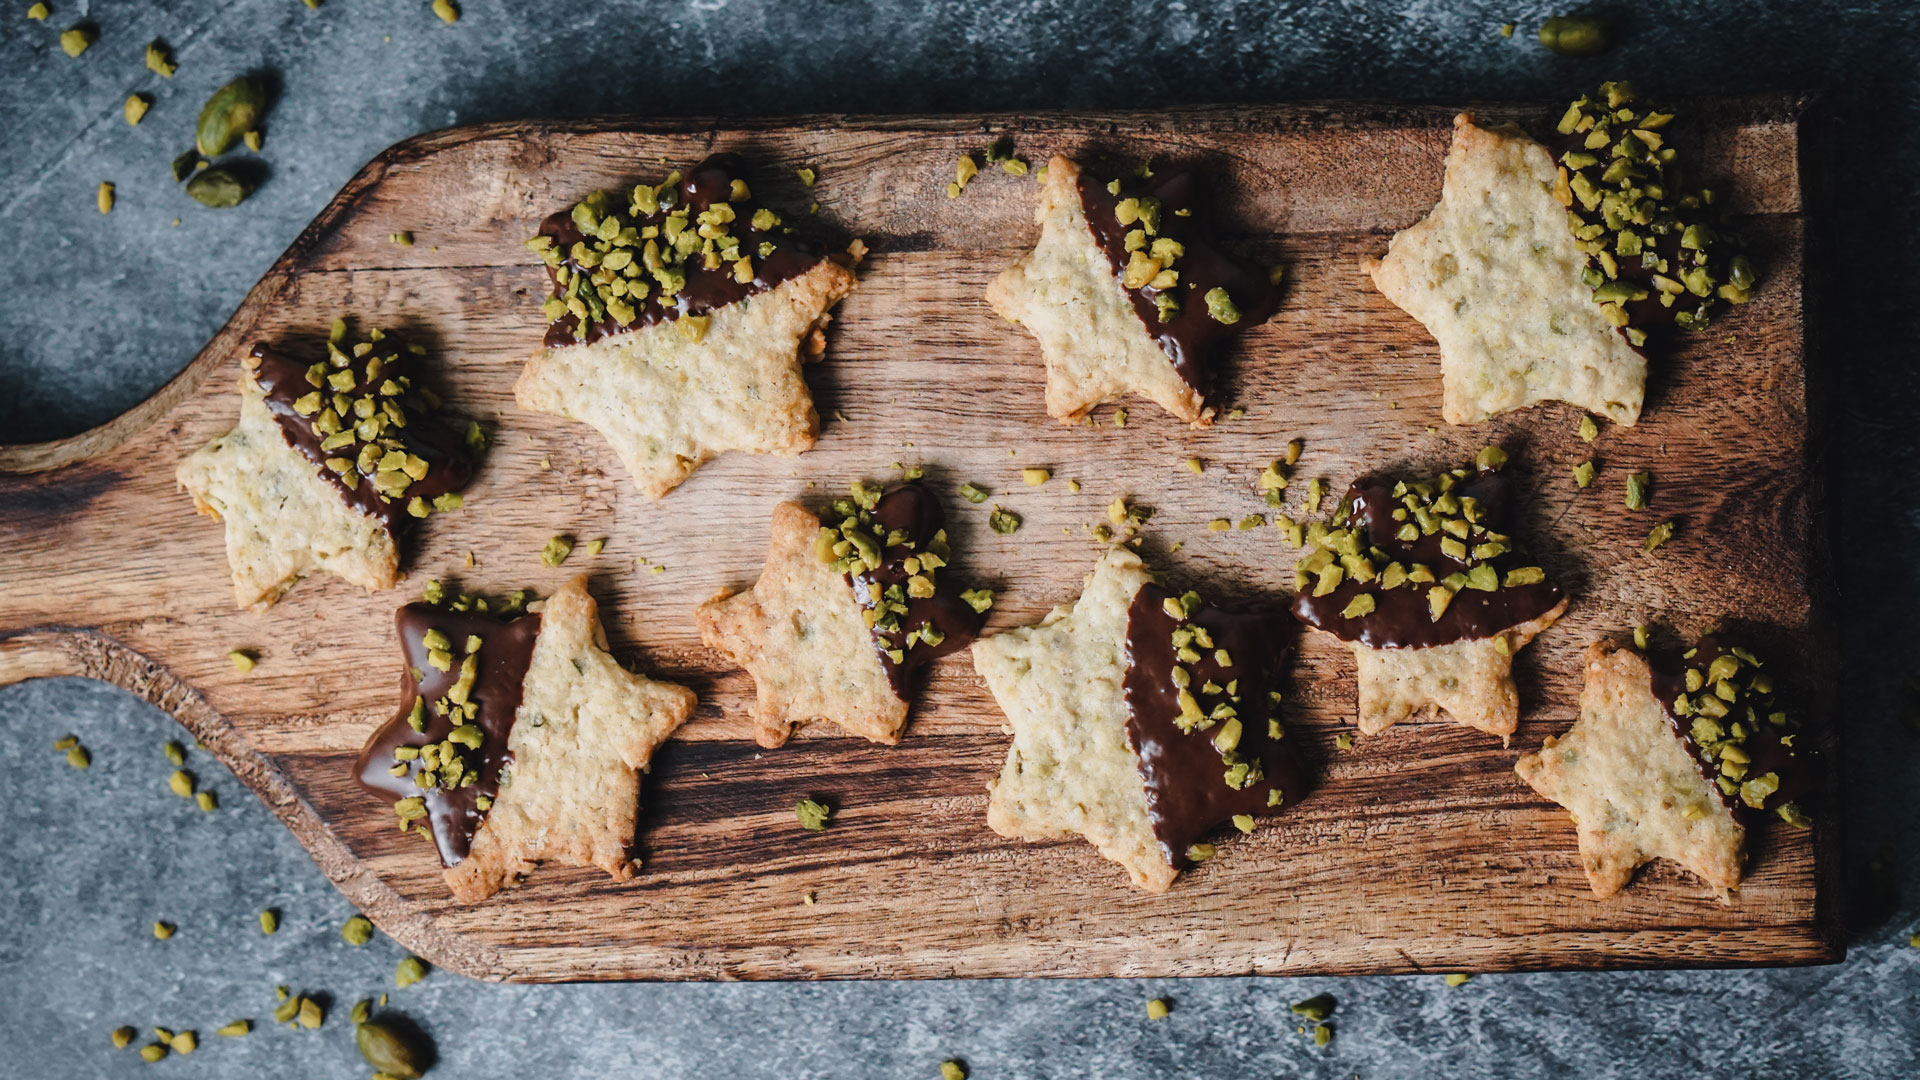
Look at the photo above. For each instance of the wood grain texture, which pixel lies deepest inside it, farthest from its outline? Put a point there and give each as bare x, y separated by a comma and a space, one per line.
1418, 849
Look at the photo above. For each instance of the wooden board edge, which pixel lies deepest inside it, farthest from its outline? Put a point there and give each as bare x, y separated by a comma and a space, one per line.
48, 652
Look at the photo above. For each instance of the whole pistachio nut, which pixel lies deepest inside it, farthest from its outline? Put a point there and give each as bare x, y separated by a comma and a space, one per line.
385, 1050
230, 113
1576, 35
218, 188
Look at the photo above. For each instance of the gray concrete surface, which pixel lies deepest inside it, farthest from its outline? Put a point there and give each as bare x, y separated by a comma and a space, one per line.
99, 311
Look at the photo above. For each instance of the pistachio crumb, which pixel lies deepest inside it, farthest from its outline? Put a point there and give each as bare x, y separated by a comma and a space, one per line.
269, 920
1640, 637
357, 931
1158, 1008
104, 197
75, 41
243, 660
311, 1016
1660, 534
973, 492
1344, 740
1316, 1008
1322, 1034
1589, 430
813, 816
1639, 490
122, 1037
409, 971
78, 757
448, 11
595, 547
173, 752
153, 1052
1457, 979
1219, 525
1119, 418
184, 1042
952, 1070
556, 551
403, 238
1073, 487
159, 59
235, 1029
181, 783
1035, 477
162, 930
1196, 466
38, 13
136, 108
1583, 473
1003, 521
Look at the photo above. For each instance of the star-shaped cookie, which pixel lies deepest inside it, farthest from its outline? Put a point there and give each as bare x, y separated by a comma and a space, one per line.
1128, 293
844, 612
681, 316
1672, 758
1496, 276
1425, 581
1140, 720
519, 741
329, 462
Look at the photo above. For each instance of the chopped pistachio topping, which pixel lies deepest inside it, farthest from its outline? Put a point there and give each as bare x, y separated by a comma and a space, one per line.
448, 11
1221, 307
1003, 521
974, 493
1322, 1034
153, 1052
556, 551
78, 757
235, 1029
1622, 189
1583, 474
1157, 1009
163, 930
269, 920
1589, 430
1196, 466
1035, 477
1201, 852
1659, 535
38, 13
813, 816
123, 1037
184, 1042
136, 108
1576, 35
1457, 979
181, 783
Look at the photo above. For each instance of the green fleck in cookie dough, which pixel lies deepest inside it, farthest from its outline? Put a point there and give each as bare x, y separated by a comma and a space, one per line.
813, 816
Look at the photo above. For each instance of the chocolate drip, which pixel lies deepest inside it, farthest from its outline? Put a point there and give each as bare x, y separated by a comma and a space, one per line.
910, 509
1184, 773
449, 463
706, 289
1763, 744
1188, 338
1401, 618
505, 651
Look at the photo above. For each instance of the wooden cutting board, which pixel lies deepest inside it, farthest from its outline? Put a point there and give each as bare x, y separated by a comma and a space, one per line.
1419, 850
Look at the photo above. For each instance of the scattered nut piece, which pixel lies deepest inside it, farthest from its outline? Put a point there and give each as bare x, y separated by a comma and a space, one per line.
160, 59
122, 1036
448, 11
76, 40
235, 1029
243, 660
1457, 979
1035, 477
163, 930
556, 551
1157, 1009
813, 816
1661, 533
136, 108
410, 971
269, 920
357, 931
104, 197
1576, 35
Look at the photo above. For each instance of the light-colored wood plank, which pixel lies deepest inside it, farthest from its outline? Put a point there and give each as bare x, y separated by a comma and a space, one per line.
1418, 850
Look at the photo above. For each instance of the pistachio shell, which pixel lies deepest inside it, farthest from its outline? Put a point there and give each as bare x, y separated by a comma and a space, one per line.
230, 113
218, 188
